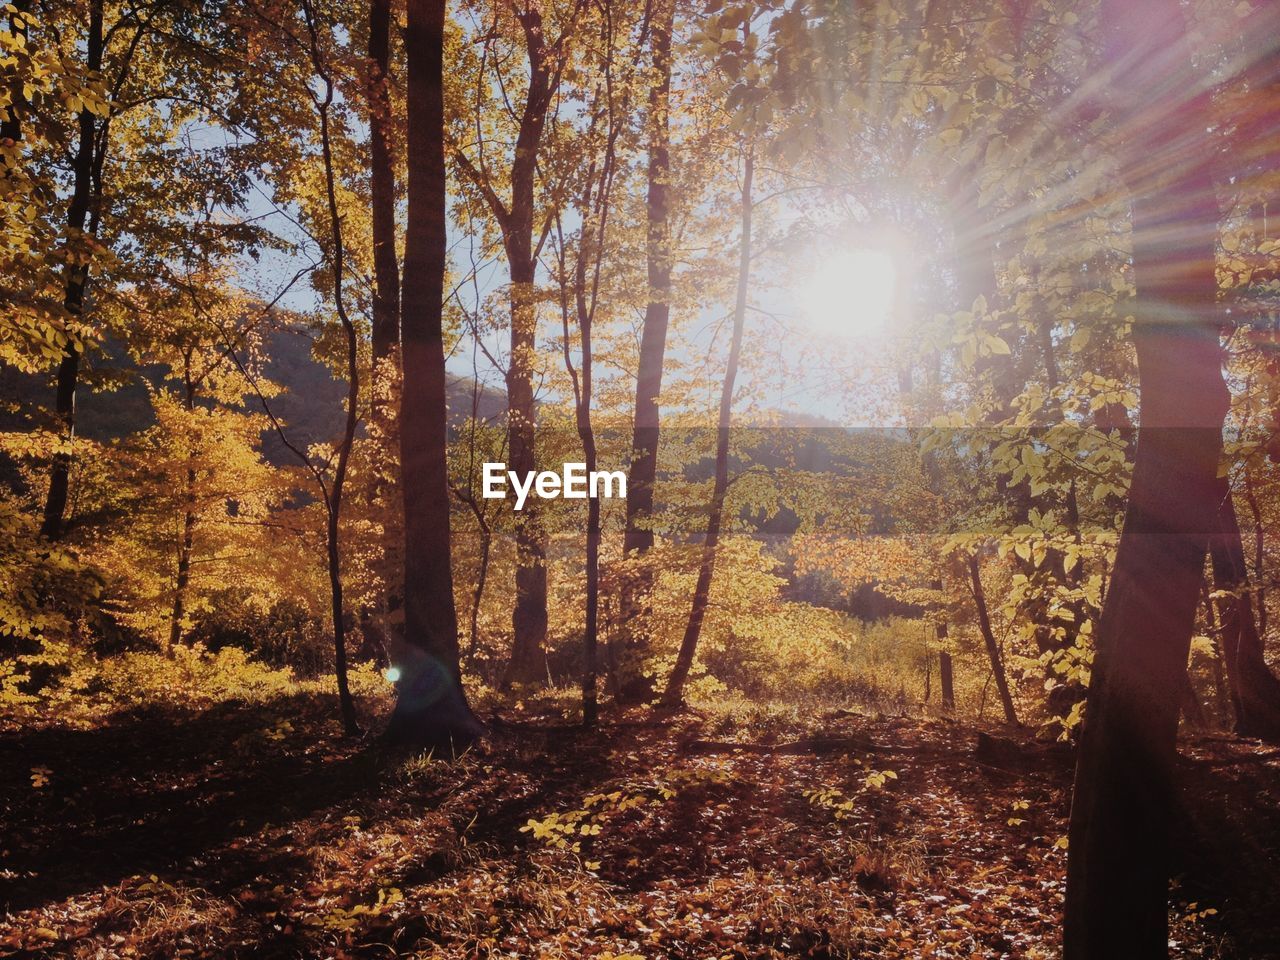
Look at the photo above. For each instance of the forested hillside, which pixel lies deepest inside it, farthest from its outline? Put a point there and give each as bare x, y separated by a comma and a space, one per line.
640, 478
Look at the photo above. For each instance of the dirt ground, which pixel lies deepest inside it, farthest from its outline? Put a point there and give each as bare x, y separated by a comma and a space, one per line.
254, 831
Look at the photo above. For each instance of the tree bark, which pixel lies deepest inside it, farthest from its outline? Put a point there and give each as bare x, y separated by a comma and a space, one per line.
673, 697
1191, 708
85, 192
528, 664
187, 541
1224, 700
989, 641
378, 615
946, 675
1118, 868
382, 188
334, 495
431, 707
586, 433
630, 684
1255, 690
1259, 551
482, 575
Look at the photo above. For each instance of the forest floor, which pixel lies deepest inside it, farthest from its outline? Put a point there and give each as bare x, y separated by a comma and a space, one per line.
254, 831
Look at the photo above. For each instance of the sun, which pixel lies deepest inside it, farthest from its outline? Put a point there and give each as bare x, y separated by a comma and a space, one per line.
850, 293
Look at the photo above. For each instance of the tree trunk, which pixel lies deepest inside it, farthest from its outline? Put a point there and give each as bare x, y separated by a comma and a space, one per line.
582, 386
528, 663
989, 641
630, 684
333, 495
946, 677
431, 707
346, 704
187, 540
1192, 709
349, 723
1255, 690
1118, 868
673, 697
386, 316
1224, 700
382, 188
184, 571
515, 219
85, 193
590, 669
477, 596
1259, 552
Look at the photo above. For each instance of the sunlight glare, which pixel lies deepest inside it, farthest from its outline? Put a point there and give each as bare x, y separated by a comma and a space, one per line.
850, 293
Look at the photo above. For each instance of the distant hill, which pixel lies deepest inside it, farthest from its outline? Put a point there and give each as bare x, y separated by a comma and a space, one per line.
311, 405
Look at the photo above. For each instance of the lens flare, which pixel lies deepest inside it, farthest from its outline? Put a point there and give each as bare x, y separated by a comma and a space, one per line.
851, 293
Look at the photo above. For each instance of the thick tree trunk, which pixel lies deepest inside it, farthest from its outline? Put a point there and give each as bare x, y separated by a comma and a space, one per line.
629, 683
674, 695
989, 641
1255, 690
386, 315
84, 193
382, 188
1118, 868
431, 708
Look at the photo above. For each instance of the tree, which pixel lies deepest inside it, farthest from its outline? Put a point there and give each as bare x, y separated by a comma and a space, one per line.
629, 683
382, 188
333, 492
431, 707
1117, 876
86, 192
103, 187
581, 285
385, 338
673, 696
989, 639
522, 239
1255, 690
